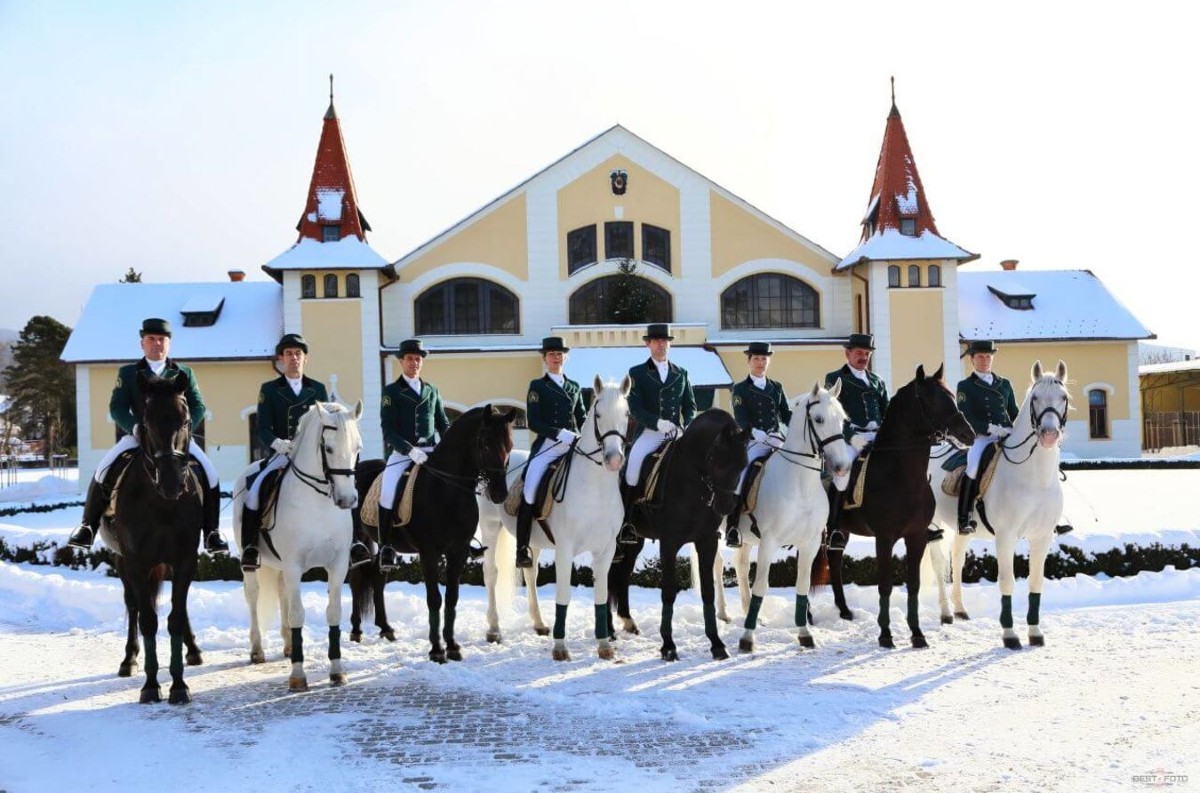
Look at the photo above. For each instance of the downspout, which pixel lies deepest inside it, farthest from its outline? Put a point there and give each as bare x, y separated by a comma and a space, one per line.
867, 298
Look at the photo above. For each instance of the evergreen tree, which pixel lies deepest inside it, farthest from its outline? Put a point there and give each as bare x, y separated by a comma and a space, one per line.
41, 386
131, 277
630, 301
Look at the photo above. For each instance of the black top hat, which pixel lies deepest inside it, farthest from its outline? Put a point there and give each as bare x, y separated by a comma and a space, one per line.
864, 341
984, 345
411, 346
554, 344
156, 327
291, 341
760, 348
658, 330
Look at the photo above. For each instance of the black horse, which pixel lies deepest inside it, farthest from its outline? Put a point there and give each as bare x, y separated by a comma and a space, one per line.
897, 501
444, 518
697, 481
155, 532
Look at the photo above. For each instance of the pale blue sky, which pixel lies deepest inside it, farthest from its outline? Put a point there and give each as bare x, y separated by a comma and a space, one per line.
179, 138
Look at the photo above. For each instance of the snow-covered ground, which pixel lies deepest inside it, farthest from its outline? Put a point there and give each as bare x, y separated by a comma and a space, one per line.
1110, 703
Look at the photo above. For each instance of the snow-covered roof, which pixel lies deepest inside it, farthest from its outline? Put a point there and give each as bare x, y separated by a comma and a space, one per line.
890, 244
249, 324
704, 367
1167, 368
1069, 304
348, 253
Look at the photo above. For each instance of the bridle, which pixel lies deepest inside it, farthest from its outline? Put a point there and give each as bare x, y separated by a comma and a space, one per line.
152, 458
327, 471
706, 479
592, 455
1035, 421
814, 440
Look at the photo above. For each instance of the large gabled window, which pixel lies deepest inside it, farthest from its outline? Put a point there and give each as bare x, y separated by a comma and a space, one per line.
770, 300
581, 248
656, 246
467, 306
597, 302
618, 239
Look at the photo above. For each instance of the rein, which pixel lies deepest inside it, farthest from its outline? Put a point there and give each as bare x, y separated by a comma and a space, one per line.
591, 456
326, 471
815, 442
151, 459
1035, 420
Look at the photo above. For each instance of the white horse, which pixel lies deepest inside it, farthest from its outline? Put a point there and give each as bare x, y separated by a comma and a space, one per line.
1024, 500
587, 521
313, 528
792, 506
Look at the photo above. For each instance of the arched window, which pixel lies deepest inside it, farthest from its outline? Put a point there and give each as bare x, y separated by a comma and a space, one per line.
893, 275
935, 275
352, 289
770, 300
914, 275
609, 300
1098, 413
466, 306
331, 285
308, 286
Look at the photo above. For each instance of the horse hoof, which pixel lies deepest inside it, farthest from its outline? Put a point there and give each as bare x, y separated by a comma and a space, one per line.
1012, 642
437, 657
493, 637
947, 619
560, 655
338, 678
387, 633
258, 657
542, 631
846, 614
887, 643
670, 655
356, 637
720, 653
918, 642
962, 615
150, 695
454, 654
1037, 641
179, 696
632, 629
746, 645
298, 684
605, 652
724, 618
127, 670
194, 659
806, 641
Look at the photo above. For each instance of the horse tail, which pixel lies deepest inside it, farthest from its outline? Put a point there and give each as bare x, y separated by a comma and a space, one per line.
362, 590
935, 560
820, 570
156, 575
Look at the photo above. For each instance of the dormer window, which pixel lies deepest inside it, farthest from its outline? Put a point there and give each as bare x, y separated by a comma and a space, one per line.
908, 227
202, 311
1014, 296
331, 233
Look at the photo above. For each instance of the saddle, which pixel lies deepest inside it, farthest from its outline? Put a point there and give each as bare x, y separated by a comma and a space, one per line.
120, 466
369, 513
857, 483
543, 500
750, 490
652, 471
952, 482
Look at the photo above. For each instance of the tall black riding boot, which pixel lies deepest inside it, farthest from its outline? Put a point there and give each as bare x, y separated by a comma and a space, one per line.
733, 537
524, 530
968, 488
388, 558
214, 543
93, 511
627, 535
251, 523
835, 537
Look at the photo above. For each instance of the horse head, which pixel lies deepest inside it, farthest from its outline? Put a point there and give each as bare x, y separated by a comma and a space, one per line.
941, 409
165, 432
337, 445
495, 442
723, 456
1049, 402
823, 417
610, 419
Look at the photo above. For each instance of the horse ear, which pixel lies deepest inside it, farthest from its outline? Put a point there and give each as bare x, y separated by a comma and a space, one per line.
836, 388
510, 416
816, 389
920, 373
1037, 370
626, 384
938, 375
1061, 371
598, 385
358, 409
180, 382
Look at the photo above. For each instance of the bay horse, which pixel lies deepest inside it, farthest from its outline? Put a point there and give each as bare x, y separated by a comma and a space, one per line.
792, 507
1025, 499
155, 532
586, 521
897, 501
697, 482
313, 528
475, 450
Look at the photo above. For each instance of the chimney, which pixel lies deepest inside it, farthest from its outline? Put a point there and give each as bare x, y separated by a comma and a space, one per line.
237, 275
1009, 264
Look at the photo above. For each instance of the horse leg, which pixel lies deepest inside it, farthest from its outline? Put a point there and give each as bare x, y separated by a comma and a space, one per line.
883, 563
147, 592
193, 657
706, 548
804, 567
129, 664
284, 605
455, 561
718, 573
381, 621
177, 627
741, 565
1038, 548
562, 600
333, 618
531, 596
765, 552
914, 549
835, 580
491, 575
961, 541
433, 603
602, 563
357, 590
619, 577
938, 563
1006, 546
667, 559
250, 589
290, 593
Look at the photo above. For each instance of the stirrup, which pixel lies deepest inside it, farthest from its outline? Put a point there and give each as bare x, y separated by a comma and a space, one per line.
388, 558
968, 527
524, 557
934, 535
1063, 528
82, 538
836, 540
733, 537
627, 535
250, 561
476, 551
215, 544
359, 554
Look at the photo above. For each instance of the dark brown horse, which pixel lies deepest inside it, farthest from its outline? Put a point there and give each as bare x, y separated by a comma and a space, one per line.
897, 500
155, 532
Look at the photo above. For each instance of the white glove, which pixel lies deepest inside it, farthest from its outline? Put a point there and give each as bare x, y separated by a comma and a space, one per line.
759, 435
873, 427
775, 440
997, 431
666, 427
280, 446
417, 455
860, 440
566, 436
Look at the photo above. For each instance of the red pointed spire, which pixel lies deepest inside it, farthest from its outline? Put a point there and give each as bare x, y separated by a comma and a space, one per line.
332, 206
897, 192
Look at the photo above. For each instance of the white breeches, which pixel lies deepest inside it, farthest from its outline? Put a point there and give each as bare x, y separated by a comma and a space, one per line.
129, 442
975, 452
550, 451
756, 451
276, 462
397, 464
647, 442
840, 482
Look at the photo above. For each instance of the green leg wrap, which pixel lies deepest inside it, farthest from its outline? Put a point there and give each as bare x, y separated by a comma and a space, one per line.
710, 619
602, 621
885, 617
297, 645
176, 656
1035, 604
335, 642
1006, 611
435, 626
914, 620
752, 613
151, 664
451, 614
801, 610
668, 613
560, 621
